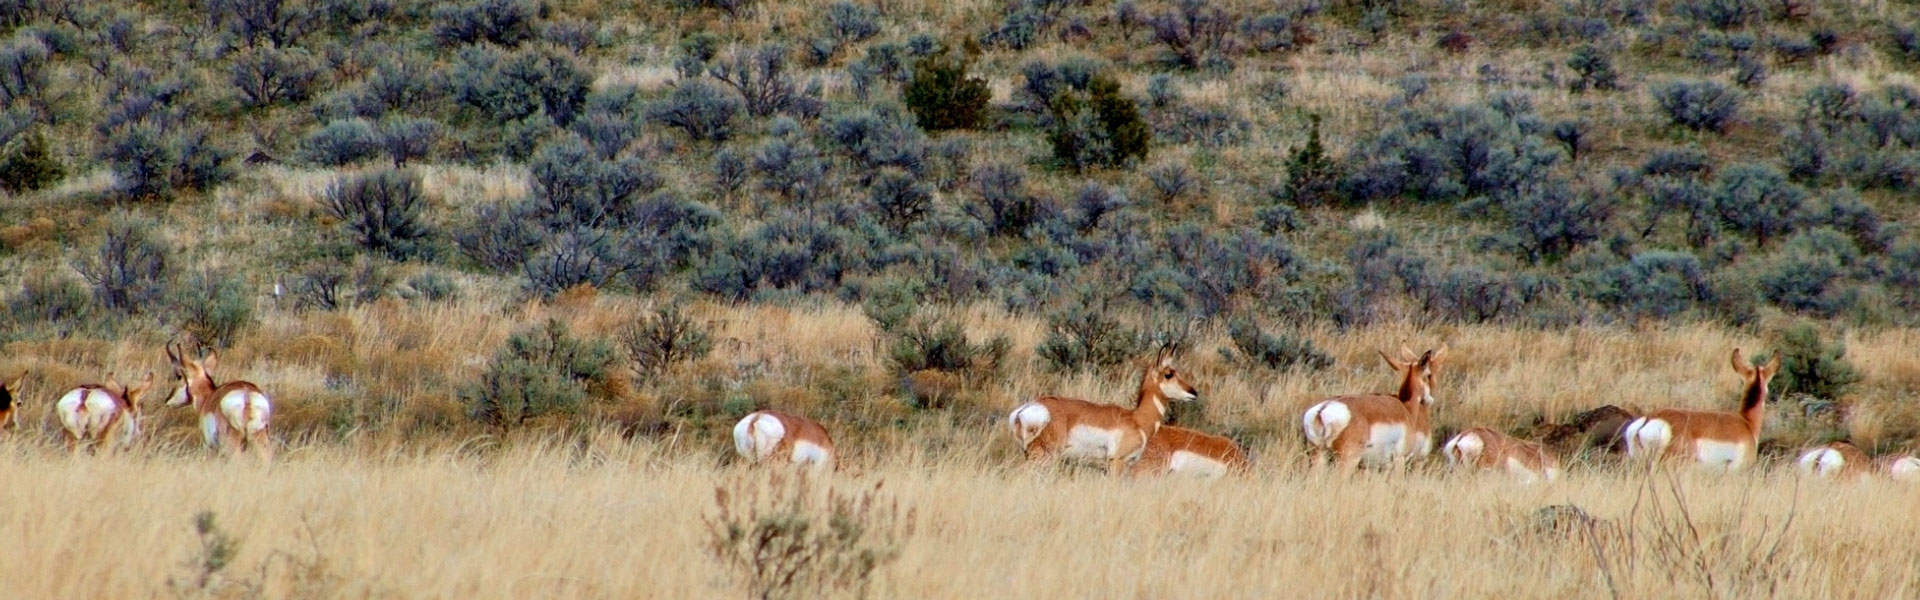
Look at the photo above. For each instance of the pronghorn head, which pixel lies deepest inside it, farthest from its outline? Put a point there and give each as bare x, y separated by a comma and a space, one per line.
192, 376
1757, 376
1168, 381
9, 388
1418, 374
130, 395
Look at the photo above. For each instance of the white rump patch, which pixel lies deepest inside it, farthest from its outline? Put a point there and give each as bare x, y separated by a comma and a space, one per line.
1188, 463
85, 412
755, 436
1824, 462
1648, 438
1905, 468
246, 412
1464, 449
1324, 422
1028, 421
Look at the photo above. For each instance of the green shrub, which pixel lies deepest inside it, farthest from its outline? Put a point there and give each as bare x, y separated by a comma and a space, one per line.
1809, 366
27, 165
943, 95
542, 370
1254, 347
1080, 337
384, 211
132, 268
657, 341
1098, 127
1313, 178
942, 344
214, 306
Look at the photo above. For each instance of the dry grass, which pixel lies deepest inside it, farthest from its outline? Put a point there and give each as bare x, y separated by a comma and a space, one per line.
605, 518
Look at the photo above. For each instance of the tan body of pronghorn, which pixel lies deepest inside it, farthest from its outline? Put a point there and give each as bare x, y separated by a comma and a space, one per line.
773, 434
9, 388
1486, 449
102, 415
1725, 440
1183, 451
1378, 429
234, 416
1078, 429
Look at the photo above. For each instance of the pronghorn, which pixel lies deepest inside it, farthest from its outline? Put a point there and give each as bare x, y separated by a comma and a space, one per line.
102, 416
771, 433
1188, 452
1900, 467
1080, 429
234, 416
1836, 459
1712, 438
1379, 428
9, 418
1486, 449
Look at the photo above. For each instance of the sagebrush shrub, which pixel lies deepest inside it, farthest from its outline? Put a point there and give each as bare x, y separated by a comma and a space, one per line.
511, 86
852, 22
1081, 336
1758, 200
408, 138
929, 342
1255, 347
26, 165
1196, 34
1697, 104
501, 236
384, 211
269, 76
342, 142
132, 269
1656, 284
502, 22
901, 198
214, 306
701, 109
665, 337
574, 258
762, 78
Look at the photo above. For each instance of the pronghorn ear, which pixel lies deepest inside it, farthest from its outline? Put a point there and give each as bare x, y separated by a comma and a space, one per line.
13, 385
1773, 365
1434, 355
132, 394
1406, 354
1741, 364
212, 361
1398, 365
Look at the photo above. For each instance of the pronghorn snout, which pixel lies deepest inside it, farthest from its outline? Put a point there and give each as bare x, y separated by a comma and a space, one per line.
1177, 390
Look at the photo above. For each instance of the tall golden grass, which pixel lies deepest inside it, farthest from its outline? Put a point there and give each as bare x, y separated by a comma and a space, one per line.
384, 489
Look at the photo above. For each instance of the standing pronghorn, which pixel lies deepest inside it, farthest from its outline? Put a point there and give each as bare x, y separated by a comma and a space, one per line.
1900, 467
770, 433
1080, 429
9, 418
233, 416
1486, 449
1187, 452
102, 416
1376, 427
1712, 438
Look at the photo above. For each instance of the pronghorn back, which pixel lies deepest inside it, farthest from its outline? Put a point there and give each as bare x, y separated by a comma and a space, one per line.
772, 434
1486, 449
1187, 452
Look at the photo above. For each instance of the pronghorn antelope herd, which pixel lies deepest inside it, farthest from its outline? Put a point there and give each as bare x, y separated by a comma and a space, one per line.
1346, 431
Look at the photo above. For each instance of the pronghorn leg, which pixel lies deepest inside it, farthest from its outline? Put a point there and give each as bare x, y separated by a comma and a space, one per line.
259, 440
1116, 466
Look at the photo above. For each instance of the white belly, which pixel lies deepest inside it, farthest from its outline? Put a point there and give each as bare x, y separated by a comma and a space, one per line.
1091, 443
1385, 442
1188, 463
1720, 455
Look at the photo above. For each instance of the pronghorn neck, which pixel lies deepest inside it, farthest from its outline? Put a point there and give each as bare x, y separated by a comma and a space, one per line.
1754, 406
202, 388
1412, 390
1150, 408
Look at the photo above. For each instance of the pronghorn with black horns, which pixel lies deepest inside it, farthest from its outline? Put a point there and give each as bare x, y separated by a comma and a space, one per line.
771, 434
1183, 451
9, 389
102, 415
1719, 439
1485, 449
1074, 428
234, 416
1378, 428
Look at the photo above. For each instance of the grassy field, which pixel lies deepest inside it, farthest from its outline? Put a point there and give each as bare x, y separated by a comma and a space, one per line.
607, 518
